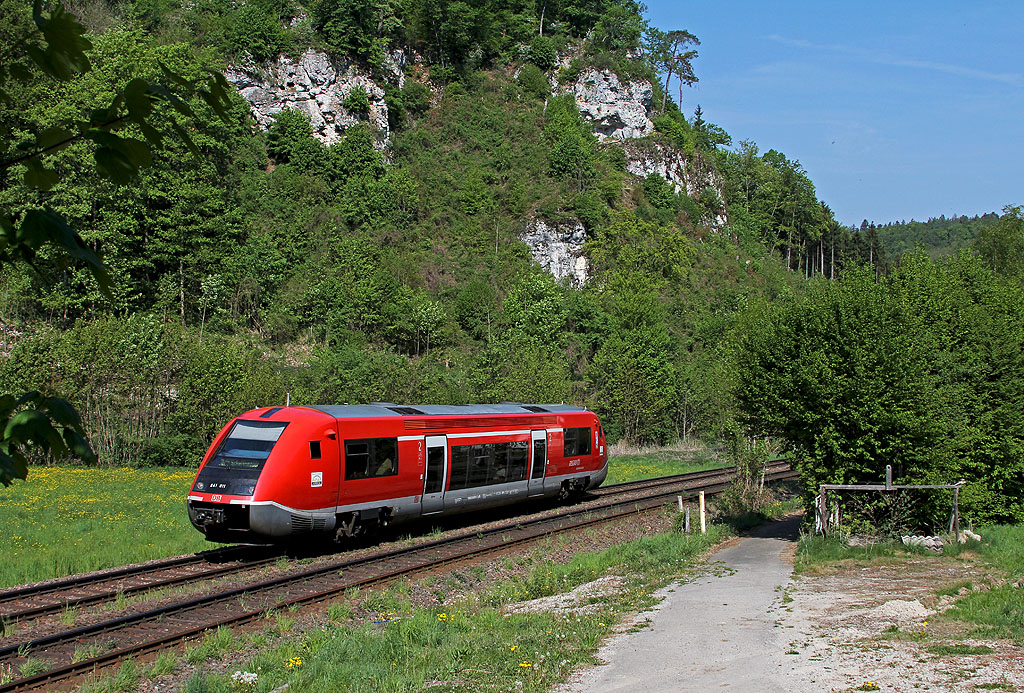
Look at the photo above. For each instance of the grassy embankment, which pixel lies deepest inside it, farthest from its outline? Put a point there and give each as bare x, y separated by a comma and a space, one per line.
70, 520
996, 611
386, 641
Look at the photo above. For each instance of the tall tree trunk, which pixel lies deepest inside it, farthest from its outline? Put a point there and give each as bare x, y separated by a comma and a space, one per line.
832, 262
181, 290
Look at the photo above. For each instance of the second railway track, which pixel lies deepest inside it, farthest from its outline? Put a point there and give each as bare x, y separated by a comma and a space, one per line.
55, 596
157, 628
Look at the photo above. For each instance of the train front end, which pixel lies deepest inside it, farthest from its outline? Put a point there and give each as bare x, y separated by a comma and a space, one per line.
251, 487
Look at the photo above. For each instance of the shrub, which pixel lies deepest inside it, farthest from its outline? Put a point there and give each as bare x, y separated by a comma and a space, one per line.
533, 82
416, 97
357, 101
542, 53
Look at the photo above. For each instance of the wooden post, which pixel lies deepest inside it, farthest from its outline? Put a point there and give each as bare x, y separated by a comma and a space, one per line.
686, 523
956, 514
703, 521
819, 514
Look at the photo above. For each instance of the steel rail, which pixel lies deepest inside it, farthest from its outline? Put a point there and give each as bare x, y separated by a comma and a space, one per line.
497, 535
113, 593
92, 579
8, 595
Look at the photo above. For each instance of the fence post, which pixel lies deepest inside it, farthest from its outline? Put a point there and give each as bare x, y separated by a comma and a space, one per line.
819, 513
956, 514
703, 523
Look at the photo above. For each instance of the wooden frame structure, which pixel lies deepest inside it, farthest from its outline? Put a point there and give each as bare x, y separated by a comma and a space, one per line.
823, 521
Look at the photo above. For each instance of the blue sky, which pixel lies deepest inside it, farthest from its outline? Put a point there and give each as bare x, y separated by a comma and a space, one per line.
897, 110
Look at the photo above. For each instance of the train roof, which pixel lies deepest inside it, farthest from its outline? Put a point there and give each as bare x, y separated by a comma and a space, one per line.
350, 411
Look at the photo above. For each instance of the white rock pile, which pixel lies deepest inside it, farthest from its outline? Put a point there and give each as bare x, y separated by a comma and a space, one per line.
930, 543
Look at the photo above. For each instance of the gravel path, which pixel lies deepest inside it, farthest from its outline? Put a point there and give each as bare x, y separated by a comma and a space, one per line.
717, 632
750, 626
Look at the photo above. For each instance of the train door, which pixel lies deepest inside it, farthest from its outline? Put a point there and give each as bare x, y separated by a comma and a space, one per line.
539, 462
319, 483
433, 477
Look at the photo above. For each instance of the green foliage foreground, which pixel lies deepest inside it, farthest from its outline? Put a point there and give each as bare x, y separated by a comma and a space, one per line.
923, 370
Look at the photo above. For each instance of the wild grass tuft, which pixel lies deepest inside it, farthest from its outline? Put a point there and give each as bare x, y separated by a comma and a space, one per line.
165, 663
213, 645
960, 649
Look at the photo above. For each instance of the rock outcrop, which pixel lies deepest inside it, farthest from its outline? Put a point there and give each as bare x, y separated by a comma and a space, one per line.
618, 110
558, 248
316, 85
688, 175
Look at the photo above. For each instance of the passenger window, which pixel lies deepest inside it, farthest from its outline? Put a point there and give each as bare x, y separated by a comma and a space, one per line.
314, 449
576, 441
369, 458
487, 463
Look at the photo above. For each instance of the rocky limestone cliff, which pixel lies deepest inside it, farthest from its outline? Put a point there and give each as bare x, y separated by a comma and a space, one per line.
316, 85
618, 110
688, 175
558, 248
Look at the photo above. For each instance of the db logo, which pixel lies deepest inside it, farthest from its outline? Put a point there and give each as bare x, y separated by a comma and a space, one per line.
216, 497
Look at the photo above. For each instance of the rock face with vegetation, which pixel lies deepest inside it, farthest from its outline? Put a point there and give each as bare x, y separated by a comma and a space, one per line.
693, 175
333, 94
618, 109
558, 248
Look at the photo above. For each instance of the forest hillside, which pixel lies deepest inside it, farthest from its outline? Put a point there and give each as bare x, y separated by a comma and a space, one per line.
441, 202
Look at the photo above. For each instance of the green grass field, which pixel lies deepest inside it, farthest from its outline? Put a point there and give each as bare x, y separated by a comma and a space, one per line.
69, 520
66, 520
648, 465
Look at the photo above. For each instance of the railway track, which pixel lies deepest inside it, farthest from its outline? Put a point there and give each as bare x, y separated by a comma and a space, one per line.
94, 588
104, 643
25, 603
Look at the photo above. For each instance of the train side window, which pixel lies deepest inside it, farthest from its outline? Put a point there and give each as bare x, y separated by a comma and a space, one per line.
459, 467
314, 449
576, 441
517, 460
479, 465
369, 458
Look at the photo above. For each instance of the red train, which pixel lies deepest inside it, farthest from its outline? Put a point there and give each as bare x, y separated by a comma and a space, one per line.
280, 472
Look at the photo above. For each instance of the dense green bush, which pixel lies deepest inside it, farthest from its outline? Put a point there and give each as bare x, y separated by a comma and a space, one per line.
533, 82
149, 393
922, 371
357, 101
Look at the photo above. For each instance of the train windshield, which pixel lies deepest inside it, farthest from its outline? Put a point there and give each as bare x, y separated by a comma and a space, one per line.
247, 445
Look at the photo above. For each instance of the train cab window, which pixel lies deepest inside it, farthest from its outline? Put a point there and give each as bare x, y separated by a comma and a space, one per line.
369, 458
247, 445
314, 449
576, 442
